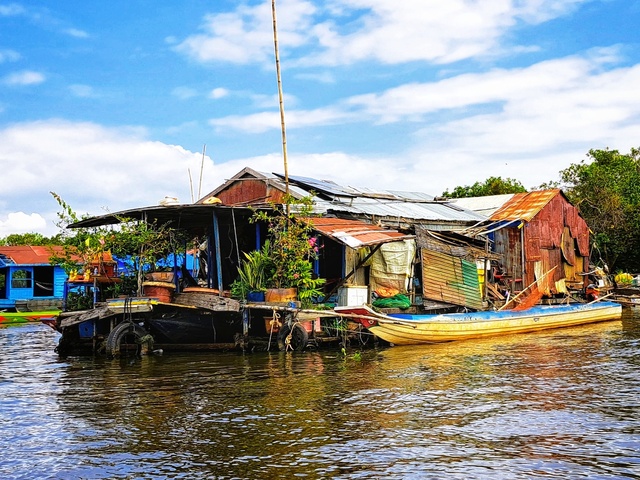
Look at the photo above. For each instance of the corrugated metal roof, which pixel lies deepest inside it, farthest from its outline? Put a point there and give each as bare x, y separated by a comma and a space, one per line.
362, 201
408, 210
355, 233
381, 203
524, 206
323, 186
27, 255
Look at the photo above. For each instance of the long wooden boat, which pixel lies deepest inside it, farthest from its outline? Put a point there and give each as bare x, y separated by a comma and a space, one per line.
10, 318
408, 329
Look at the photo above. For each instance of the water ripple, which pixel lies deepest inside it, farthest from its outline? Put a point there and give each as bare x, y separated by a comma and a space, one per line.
558, 404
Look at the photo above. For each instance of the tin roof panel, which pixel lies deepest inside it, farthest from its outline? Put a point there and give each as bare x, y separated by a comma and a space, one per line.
355, 233
524, 206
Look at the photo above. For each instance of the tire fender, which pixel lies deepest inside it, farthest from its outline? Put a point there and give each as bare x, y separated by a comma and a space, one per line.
130, 331
292, 337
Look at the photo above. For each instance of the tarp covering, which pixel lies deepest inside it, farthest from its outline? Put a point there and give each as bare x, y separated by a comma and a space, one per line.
391, 265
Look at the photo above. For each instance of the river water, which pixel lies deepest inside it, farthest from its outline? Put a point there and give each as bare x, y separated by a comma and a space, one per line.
557, 404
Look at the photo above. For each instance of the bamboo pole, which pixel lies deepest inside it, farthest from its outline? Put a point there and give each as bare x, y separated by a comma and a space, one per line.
281, 102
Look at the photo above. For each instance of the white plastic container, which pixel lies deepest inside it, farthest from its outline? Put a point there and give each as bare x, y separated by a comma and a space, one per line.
352, 296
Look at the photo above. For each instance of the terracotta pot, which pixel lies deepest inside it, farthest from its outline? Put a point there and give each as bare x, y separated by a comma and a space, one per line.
163, 291
281, 295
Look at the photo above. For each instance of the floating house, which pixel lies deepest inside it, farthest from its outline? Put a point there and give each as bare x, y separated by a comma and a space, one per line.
371, 244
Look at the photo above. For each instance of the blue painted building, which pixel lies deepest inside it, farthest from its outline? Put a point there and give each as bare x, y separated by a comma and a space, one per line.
28, 281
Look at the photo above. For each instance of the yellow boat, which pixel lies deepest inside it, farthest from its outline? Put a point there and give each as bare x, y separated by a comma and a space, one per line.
408, 329
10, 318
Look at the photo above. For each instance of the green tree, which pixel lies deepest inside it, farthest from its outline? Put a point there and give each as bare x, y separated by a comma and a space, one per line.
141, 243
32, 239
491, 186
605, 187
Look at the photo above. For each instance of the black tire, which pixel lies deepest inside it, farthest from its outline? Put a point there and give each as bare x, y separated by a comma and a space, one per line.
293, 337
125, 333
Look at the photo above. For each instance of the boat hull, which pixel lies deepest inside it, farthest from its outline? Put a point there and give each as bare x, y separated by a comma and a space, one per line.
405, 329
10, 318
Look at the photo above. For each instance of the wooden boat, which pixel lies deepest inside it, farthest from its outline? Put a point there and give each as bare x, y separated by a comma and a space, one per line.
408, 329
9, 318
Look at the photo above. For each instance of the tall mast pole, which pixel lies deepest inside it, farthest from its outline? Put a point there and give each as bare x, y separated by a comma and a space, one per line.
281, 101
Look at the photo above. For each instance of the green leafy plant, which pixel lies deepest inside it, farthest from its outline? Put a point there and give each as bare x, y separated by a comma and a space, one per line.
292, 249
252, 272
140, 243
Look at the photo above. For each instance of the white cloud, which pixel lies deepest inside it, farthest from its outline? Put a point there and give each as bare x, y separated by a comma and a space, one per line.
184, 93
218, 93
565, 100
82, 91
11, 9
246, 35
26, 77
428, 30
348, 31
264, 121
77, 33
91, 167
524, 123
20, 222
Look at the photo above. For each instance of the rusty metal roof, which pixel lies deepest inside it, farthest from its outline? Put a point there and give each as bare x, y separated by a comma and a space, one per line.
27, 255
355, 233
524, 206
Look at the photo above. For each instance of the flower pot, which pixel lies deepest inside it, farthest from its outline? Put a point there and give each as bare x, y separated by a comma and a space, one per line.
160, 276
163, 291
281, 294
255, 297
312, 325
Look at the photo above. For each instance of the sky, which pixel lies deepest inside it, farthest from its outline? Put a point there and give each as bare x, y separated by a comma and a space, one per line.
119, 104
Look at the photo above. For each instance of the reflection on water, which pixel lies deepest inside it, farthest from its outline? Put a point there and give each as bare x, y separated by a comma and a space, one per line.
561, 403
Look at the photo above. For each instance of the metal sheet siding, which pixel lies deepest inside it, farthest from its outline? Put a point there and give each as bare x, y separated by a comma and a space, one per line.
28, 255
450, 279
245, 192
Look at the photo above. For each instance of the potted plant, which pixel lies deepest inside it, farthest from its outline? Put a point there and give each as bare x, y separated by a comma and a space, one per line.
291, 251
251, 281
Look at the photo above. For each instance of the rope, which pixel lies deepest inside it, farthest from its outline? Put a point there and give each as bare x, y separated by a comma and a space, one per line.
274, 319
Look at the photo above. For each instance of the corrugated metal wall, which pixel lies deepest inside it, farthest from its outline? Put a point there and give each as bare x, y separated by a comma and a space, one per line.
450, 279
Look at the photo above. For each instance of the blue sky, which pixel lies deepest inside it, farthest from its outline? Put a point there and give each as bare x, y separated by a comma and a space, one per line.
110, 104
